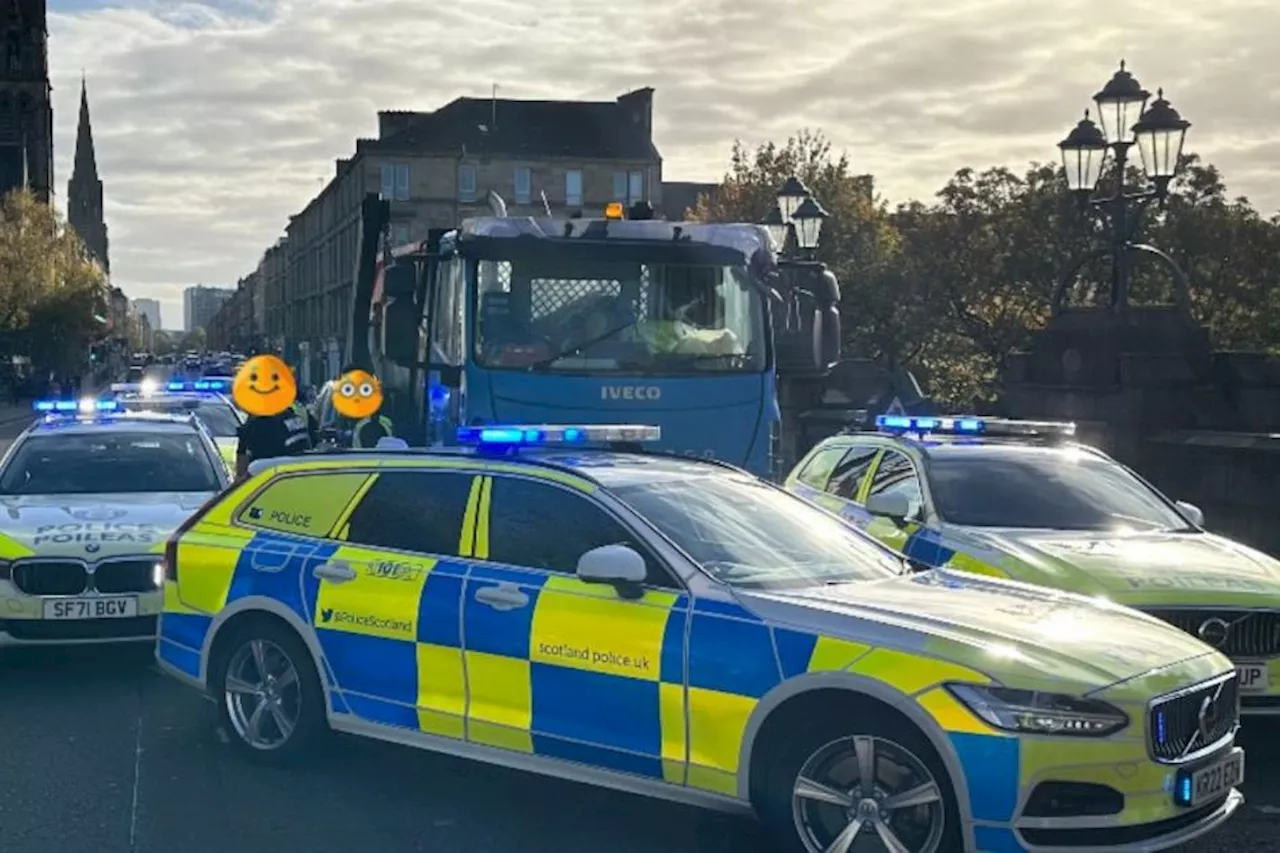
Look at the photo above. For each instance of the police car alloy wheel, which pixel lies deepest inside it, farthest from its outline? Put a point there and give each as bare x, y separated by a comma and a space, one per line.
879, 786
269, 697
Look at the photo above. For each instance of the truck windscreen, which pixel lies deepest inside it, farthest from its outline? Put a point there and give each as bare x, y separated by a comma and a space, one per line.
596, 316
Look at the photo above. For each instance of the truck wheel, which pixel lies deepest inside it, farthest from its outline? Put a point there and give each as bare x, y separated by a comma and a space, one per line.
849, 777
270, 702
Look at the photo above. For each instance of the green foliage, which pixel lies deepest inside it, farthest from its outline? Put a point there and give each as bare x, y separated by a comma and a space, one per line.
951, 288
50, 292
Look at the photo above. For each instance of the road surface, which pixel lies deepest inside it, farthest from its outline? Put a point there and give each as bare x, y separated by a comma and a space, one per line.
99, 753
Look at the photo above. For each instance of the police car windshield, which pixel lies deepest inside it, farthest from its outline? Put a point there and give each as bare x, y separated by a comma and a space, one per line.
1043, 488
748, 534
109, 462
217, 417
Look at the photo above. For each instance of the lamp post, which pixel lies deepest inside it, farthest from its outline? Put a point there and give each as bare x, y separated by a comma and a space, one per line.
1090, 149
795, 221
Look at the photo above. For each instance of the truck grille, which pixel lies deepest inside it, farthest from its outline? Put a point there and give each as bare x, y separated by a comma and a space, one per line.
50, 578
1235, 633
125, 576
1186, 723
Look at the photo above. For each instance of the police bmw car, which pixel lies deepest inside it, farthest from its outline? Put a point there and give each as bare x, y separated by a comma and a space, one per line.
1019, 499
681, 629
87, 496
205, 398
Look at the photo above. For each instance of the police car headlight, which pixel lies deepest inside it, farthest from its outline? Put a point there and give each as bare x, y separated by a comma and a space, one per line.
157, 575
1032, 712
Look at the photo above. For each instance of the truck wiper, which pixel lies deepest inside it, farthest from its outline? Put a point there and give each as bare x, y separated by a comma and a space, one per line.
543, 364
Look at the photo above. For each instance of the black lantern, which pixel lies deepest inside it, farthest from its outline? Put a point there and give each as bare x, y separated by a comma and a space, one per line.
776, 225
808, 221
1084, 153
790, 197
1160, 134
1119, 104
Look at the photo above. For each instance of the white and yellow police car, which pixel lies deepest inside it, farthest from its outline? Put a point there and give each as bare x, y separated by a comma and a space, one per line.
684, 630
88, 495
208, 399
1022, 500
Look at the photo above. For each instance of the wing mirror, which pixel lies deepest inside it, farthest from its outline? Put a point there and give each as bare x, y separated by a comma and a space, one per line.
1190, 512
894, 507
618, 565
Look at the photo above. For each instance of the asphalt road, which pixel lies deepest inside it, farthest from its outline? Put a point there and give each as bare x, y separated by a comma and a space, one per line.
99, 753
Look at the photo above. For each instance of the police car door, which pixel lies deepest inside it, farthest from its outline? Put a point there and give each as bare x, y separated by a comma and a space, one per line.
387, 607
894, 473
563, 668
846, 487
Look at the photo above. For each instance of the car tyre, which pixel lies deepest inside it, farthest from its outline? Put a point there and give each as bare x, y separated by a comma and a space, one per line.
813, 798
270, 701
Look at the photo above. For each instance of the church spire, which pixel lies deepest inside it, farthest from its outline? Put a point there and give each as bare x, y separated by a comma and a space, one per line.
86, 163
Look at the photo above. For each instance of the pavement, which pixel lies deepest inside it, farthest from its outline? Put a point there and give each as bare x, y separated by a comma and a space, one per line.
100, 753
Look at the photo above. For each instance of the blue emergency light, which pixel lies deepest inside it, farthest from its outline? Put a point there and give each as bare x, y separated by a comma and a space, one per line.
971, 425
87, 406
540, 435
209, 385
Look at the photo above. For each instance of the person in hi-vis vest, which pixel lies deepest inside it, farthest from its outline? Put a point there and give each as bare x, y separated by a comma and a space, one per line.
358, 395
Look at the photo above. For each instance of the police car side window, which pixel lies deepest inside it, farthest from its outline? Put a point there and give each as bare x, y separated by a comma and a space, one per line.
419, 511
818, 472
896, 475
547, 527
848, 475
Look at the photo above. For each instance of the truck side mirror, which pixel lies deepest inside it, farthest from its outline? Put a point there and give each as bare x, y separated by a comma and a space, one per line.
400, 281
400, 333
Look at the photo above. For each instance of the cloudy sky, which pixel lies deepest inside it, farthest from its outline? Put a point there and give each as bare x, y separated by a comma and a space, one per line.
216, 120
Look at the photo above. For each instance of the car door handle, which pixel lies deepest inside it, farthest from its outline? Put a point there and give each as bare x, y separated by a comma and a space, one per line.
504, 597
335, 572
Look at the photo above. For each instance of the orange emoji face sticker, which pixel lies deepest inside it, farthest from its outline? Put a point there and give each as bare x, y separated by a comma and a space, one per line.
264, 386
357, 395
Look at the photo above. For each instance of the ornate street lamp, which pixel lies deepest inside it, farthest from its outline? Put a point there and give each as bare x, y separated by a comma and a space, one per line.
790, 197
777, 226
1089, 150
807, 219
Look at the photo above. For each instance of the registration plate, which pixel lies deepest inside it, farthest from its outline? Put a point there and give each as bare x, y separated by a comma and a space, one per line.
119, 607
1211, 781
1253, 677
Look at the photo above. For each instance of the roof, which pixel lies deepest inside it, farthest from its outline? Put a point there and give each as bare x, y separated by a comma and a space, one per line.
144, 421
744, 238
604, 130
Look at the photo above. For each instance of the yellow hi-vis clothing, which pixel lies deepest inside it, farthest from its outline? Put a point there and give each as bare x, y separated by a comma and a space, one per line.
385, 429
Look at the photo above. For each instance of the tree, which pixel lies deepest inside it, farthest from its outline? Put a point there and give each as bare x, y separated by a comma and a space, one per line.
162, 342
193, 340
52, 296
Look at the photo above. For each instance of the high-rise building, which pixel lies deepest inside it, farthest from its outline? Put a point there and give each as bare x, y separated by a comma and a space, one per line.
26, 107
200, 303
84, 190
149, 308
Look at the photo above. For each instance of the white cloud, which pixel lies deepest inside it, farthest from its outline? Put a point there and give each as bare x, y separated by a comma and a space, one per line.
214, 121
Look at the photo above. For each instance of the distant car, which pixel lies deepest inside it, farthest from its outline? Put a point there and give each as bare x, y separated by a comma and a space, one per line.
88, 496
684, 630
206, 399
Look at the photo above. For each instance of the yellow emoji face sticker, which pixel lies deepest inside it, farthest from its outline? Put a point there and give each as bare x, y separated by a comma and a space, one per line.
357, 394
264, 386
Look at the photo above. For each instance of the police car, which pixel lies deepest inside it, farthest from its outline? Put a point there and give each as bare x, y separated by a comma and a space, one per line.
205, 398
681, 629
88, 495
1022, 500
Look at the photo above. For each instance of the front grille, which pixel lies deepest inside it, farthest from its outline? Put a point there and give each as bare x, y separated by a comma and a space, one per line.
125, 576
1186, 723
86, 629
50, 578
1235, 633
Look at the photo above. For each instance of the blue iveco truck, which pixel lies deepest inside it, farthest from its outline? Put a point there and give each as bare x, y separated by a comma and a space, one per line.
692, 327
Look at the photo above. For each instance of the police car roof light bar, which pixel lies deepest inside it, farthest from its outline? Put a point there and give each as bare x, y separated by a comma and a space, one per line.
87, 406
973, 425
541, 435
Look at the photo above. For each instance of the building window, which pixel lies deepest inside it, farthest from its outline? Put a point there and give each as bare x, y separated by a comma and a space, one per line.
395, 181
635, 187
524, 184
573, 187
619, 186
467, 183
